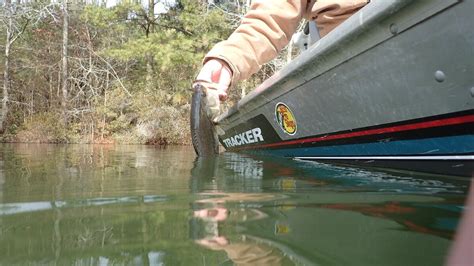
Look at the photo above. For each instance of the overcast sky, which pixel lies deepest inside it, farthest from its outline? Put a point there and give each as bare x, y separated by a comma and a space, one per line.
161, 7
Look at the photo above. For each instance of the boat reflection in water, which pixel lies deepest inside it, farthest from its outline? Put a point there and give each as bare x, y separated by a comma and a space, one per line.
275, 211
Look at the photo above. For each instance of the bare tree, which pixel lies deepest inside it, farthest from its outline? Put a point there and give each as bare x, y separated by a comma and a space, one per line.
149, 57
64, 69
13, 32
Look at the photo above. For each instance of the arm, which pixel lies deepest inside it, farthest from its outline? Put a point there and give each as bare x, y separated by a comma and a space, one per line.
264, 31
328, 14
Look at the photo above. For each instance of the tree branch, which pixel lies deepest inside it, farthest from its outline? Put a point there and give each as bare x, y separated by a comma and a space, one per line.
20, 32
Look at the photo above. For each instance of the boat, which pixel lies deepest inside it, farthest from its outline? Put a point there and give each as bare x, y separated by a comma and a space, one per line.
391, 87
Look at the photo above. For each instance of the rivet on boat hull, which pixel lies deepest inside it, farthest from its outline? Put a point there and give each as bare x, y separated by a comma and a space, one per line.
440, 76
393, 28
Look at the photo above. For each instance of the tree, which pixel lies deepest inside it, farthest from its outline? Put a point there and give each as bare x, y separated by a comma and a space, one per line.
64, 69
14, 29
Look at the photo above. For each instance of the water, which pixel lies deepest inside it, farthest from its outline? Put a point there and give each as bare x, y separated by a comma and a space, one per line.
108, 205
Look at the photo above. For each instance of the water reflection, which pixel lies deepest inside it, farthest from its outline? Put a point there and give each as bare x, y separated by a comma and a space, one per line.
96, 205
240, 249
141, 205
308, 213
22, 207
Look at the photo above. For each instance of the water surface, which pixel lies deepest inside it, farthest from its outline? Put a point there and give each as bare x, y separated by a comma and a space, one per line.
141, 205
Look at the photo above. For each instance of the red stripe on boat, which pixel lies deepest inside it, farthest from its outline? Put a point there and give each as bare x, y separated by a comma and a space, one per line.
408, 127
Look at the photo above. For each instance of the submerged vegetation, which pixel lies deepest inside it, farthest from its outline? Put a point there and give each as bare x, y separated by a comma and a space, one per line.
90, 73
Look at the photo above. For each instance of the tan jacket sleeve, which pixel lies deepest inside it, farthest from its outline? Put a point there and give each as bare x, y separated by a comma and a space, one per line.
265, 30
328, 14
268, 27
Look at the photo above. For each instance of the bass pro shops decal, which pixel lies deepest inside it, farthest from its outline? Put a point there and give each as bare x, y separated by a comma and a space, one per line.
285, 119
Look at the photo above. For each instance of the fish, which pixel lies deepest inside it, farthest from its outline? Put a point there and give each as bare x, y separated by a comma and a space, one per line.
203, 131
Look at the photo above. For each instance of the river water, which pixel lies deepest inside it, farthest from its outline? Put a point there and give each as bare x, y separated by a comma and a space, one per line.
142, 205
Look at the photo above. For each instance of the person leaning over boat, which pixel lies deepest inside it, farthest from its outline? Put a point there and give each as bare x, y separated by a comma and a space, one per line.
265, 30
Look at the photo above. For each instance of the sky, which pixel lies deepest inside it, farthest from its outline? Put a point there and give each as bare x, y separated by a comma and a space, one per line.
160, 8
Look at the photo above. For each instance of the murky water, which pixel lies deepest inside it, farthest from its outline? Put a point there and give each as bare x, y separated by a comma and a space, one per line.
109, 205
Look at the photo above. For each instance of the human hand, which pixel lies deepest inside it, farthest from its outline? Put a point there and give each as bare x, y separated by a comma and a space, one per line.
216, 74
217, 214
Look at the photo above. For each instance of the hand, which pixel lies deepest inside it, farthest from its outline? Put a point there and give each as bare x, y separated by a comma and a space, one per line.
217, 74
217, 214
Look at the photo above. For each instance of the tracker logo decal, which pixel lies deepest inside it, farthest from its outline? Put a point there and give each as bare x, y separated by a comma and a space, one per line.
247, 137
285, 119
